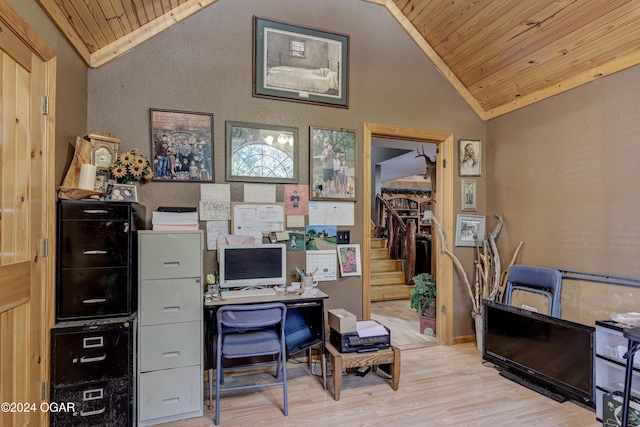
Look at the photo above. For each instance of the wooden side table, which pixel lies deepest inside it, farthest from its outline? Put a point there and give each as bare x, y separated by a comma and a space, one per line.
342, 361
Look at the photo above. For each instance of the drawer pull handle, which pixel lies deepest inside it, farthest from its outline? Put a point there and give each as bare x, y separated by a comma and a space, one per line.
91, 413
173, 264
92, 342
94, 252
94, 301
94, 394
171, 401
96, 211
173, 309
93, 359
169, 354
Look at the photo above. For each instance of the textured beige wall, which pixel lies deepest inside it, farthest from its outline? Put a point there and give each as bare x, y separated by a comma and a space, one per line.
71, 83
564, 172
204, 64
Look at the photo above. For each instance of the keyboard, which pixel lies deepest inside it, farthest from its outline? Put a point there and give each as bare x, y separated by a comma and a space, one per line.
244, 293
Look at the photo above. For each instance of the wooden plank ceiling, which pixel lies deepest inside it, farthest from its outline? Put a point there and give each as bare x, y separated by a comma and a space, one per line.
500, 55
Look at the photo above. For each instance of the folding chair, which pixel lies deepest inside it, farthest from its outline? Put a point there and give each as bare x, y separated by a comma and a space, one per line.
246, 331
538, 280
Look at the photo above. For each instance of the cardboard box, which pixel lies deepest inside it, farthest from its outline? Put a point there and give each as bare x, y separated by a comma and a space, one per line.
612, 410
341, 321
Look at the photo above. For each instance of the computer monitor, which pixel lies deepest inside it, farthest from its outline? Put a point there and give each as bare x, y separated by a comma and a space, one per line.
252, 265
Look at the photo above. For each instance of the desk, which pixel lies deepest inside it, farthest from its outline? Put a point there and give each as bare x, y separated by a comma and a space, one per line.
304, 327
355, 360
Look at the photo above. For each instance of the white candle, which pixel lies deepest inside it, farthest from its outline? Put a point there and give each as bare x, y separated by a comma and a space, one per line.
87, 179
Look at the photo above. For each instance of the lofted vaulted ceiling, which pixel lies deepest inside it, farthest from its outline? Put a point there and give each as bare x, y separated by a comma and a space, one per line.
500, 55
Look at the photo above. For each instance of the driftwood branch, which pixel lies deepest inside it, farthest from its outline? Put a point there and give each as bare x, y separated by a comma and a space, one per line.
489, 278
456, 263
505, 274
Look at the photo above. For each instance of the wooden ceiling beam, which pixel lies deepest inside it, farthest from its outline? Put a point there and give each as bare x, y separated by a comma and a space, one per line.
435, 59
54, 12
147, 31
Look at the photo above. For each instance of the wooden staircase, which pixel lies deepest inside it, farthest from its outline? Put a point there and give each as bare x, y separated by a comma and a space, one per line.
387, 277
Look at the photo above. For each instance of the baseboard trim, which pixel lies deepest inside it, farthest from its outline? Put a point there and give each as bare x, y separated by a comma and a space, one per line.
464, 339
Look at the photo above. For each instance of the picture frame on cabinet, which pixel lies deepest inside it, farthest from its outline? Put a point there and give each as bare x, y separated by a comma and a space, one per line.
470, 157
124, 192
181, 146
469, 195
299, 64
332, 164
467, 226
261, 153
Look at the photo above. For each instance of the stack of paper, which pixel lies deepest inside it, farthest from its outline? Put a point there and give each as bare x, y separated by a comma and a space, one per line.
175, 220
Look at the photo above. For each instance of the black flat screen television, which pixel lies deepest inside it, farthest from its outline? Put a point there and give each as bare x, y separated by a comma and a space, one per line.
548, 354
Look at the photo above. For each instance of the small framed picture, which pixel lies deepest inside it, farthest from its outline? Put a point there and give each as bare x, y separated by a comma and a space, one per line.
469, 195
296, 240
470, 155
349, 260
124, 192
333, 165
102, 176
468, 226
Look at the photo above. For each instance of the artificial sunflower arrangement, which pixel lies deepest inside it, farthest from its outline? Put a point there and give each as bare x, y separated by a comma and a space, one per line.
131, 167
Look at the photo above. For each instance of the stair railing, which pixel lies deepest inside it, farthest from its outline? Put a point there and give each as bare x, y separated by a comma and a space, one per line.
401, 237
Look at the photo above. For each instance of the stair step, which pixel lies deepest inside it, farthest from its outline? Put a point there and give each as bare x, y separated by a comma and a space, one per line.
384, 265
389, 292
387, 278
381, 253
378, 242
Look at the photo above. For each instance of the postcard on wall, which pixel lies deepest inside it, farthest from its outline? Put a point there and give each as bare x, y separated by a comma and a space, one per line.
295, 221
296, 240
215, 210
316, 213
215, 192
296, 199
262, 193
215, 229
320, 237
331, 213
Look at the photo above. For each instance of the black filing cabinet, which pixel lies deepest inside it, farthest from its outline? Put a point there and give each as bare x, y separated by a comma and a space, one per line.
95, 259
92, 369
93, 343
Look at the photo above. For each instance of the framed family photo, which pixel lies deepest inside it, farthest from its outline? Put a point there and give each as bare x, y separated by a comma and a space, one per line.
469, 195
468, 226
349, 260
261, 153
182, 146
470, 155
333, 165
300, 64
124, 192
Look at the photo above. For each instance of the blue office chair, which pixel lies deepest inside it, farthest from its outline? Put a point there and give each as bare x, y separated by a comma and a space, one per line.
539, 280
251, 331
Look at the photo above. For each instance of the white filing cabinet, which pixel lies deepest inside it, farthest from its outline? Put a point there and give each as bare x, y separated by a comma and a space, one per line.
170, 322
610, 365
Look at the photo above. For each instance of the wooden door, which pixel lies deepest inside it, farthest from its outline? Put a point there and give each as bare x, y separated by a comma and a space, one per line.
26, 221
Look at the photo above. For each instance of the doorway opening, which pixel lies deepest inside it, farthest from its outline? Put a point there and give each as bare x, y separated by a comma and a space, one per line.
443, 209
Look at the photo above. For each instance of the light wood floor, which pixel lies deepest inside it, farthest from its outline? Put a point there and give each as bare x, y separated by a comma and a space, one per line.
403, 322
439, 386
